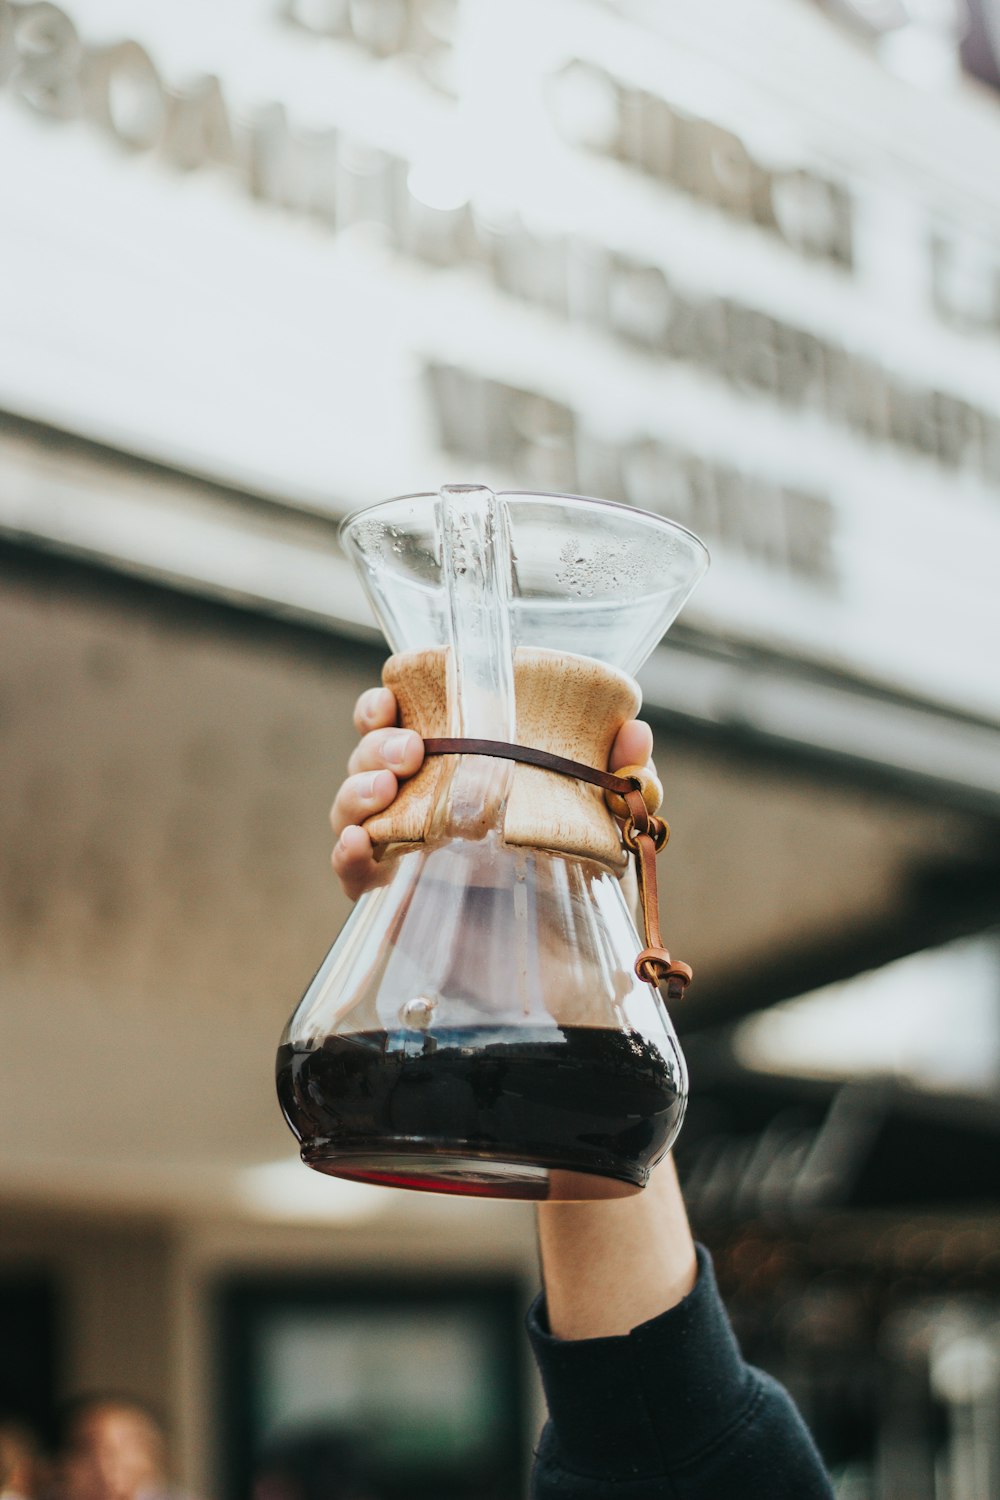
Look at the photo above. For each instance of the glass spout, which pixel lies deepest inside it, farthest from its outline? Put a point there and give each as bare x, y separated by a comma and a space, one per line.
476, 576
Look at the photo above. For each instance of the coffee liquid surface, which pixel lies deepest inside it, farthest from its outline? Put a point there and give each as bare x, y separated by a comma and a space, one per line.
533, 1115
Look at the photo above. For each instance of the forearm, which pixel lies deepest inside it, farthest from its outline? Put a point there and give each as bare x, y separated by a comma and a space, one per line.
610, 1265
668, 1411
644, 1380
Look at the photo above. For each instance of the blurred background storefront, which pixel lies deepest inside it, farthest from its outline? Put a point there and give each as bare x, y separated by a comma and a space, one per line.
266, 262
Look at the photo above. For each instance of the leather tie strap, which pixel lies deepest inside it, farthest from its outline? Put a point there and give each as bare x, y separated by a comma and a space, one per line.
643, 834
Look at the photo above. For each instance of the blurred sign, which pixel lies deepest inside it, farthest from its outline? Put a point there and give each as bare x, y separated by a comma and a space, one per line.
880, 17
591, 108
965, 277
550, 448
420, 32
322, 249
926, 39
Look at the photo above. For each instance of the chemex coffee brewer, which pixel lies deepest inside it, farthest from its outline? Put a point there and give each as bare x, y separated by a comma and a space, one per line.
490, 1021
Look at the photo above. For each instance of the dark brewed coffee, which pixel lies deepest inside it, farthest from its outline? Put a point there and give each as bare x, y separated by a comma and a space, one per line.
556, 1112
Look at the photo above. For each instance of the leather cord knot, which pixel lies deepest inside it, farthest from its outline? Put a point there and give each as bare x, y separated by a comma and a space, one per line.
643, 834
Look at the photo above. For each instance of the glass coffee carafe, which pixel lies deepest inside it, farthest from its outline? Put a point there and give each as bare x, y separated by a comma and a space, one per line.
478, 1026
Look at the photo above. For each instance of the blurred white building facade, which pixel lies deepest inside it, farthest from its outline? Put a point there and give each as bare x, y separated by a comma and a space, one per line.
734, 271
266, 261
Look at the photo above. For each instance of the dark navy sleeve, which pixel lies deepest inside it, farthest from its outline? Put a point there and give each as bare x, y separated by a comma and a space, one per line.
670, 1411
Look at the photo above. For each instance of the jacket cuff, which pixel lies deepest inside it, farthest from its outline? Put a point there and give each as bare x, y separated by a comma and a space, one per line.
643, 1402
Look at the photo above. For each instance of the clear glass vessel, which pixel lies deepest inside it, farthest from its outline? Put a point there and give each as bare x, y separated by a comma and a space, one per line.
478, 1027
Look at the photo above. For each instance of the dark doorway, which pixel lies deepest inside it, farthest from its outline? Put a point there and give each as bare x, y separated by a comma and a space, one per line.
28, 1348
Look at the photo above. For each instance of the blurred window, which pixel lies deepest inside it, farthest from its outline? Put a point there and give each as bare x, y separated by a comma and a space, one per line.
423, 1379
981, 43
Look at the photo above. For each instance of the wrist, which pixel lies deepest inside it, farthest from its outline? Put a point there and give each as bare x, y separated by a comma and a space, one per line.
610, 1265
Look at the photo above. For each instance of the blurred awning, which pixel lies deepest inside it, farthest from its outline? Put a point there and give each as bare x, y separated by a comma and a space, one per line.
780, 1149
